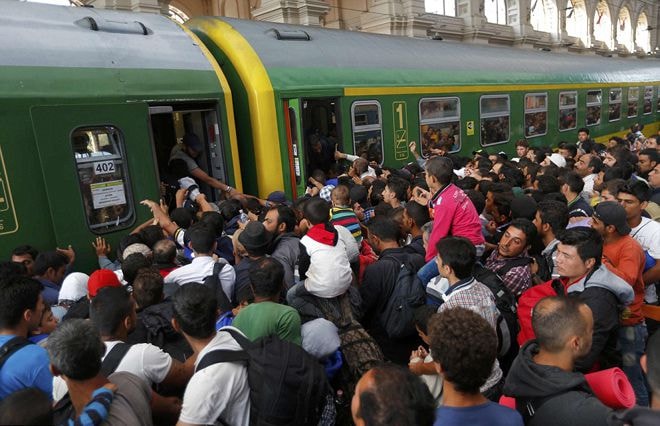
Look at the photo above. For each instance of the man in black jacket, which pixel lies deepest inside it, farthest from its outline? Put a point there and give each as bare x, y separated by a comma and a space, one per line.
547, 390
378, 283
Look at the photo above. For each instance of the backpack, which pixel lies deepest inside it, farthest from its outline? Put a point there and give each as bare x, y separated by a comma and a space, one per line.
507, 324
397, 313
213, 282
287, 385
63, 410
11, 347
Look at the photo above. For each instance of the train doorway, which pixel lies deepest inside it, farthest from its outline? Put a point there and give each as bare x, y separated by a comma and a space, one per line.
320, 122
170, 124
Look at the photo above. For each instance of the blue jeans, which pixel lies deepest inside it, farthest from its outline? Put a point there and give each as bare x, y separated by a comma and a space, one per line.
428, 271
631, 343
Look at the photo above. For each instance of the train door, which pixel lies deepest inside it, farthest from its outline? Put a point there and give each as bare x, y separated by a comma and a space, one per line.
97, 165
170, 124
294, 146
312, 134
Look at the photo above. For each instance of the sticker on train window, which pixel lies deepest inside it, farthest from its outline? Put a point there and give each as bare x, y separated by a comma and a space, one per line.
104, 167
103, 177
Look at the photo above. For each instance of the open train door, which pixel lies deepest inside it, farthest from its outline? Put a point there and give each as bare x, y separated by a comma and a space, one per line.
293, 123
97, 163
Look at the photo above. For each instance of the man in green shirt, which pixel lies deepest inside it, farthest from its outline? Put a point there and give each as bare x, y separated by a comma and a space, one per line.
266, 316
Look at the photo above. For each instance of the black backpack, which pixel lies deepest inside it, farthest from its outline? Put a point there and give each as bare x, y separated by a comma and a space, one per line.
507, 305
287, 385
408, 293
213, 282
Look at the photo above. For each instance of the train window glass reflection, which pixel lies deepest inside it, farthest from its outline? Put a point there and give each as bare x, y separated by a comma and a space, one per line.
536, 114
594, 104
615, 105
440, 125
648, 100
567, 110
367, 130
494, 113
103, 178
633, 101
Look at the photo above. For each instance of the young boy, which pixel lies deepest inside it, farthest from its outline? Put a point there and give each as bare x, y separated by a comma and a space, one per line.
421, 362
47, 325
342, 214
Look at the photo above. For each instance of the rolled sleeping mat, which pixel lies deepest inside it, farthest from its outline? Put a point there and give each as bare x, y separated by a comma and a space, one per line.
612, 388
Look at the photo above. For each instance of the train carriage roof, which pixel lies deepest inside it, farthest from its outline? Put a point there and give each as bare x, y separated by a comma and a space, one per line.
62, 52
334, 58
33, 34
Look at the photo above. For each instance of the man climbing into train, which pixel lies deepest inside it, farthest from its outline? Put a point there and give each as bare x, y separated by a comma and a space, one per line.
188, 151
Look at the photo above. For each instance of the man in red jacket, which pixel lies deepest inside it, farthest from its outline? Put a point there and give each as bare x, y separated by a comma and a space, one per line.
579, 255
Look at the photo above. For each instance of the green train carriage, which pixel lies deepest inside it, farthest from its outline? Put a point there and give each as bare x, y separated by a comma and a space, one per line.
91, 103
378, 93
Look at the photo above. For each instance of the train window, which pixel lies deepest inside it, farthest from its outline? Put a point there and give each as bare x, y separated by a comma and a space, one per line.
367, 130
648, 100
536, 114
657, 99
440, 124
633, 101
103, 177
567, 110
615, 104
495, 112
594, 104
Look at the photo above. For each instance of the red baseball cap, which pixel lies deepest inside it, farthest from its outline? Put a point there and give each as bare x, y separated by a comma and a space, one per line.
100, 279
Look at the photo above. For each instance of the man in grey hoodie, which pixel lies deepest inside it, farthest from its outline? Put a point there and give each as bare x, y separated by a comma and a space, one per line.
280, 222
542, 378
578, 262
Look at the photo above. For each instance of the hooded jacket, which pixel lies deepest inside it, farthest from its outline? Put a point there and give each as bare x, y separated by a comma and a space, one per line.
323, 263
605, 293
554, 396
286, 249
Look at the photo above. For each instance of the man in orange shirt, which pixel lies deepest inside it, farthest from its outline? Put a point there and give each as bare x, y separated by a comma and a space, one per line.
625, 257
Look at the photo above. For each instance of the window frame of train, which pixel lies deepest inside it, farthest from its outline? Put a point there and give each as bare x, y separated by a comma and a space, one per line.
648, 100
633, 100
104, 192
657, 99
490, 115
428, 122
367, 128
535, 110
614, 101
592, 104
567, 107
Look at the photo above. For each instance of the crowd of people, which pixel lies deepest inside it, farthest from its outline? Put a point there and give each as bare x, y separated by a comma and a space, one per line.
414, 296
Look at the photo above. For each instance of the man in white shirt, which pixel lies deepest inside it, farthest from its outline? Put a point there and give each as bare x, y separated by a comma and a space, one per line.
113, 314
203, 242
588, 166
634, 197
220, 392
